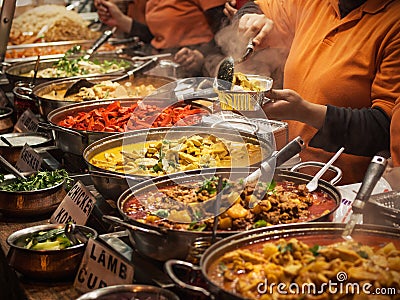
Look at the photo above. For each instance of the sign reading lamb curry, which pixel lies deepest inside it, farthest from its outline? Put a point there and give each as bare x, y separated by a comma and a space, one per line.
101, 267
167, 156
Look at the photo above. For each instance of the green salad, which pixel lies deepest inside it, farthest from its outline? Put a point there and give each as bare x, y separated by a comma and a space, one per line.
54, 239
73, 63
38, 181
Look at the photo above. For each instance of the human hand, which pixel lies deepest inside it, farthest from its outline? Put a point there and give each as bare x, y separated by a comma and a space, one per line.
191, 60
109, 13
257, 27
286, 104
230, 9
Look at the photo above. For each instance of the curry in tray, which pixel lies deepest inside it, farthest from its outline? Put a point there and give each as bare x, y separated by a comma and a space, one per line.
249, 206
306, 267
159, 157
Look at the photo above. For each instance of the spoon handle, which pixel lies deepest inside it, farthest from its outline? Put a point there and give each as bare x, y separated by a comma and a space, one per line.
313, 184
11, 168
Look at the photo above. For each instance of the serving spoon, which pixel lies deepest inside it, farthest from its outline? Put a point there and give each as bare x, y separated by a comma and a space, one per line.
226, 68
11, 168
313, 184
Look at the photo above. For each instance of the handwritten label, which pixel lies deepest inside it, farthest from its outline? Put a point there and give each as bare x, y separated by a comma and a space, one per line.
27, 122
75, 207
100, 267
29, 160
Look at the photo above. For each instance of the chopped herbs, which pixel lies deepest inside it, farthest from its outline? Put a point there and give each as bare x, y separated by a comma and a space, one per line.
260, 223
162, 213
287, 248
210, 185
37, 181
73, 65
315, 250
363, 254
197, 227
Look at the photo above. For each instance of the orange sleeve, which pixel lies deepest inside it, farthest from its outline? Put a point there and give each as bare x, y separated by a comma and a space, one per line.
395, 134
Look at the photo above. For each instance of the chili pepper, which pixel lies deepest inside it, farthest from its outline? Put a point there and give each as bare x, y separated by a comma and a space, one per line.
115, 118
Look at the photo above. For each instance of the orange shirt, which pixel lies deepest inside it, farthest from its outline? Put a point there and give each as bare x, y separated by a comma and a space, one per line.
136, 10
350, 62
177, 23
395, 135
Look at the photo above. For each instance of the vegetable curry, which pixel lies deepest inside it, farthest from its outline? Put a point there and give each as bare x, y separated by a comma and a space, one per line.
248, 206
160, 157
305, 268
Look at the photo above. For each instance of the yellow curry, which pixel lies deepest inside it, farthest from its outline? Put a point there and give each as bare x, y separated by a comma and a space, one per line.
169, 156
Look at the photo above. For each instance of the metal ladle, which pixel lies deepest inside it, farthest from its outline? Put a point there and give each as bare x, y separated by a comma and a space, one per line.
226, 68
74, 234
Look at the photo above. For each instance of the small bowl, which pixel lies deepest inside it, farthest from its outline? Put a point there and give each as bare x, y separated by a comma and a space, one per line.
31, 203
6, 120
242, 100
18, 140
129, 291
54, 265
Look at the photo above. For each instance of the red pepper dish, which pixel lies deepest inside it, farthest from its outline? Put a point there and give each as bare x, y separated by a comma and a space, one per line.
117, 118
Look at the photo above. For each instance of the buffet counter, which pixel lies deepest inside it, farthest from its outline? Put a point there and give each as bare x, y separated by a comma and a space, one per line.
35, 289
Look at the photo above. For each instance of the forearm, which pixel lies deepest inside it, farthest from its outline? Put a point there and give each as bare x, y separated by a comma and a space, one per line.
124, 24
311, 114
141, 31
360, 131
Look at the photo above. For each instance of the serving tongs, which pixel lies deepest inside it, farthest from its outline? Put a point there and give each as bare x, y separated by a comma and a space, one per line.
83, 82
99, 42
277, 159
374, 172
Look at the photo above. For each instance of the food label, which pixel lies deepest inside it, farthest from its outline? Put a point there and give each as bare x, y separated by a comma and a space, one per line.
29, 160
27, 122
101, 266
75, 207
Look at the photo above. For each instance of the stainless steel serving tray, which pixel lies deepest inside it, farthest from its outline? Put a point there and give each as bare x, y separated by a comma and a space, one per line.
49, 45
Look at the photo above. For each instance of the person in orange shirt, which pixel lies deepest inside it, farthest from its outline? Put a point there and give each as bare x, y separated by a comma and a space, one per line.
342, 54
184, 28
395, 135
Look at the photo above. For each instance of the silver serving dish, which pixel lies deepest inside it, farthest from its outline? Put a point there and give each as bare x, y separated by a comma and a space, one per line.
17, 71
384, 209
112, 184
47, 104
18, 140
130, 292
311, 233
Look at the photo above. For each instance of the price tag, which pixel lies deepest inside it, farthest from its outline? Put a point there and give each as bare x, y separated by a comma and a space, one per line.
100, 267
29, 160
27, 122
75, 207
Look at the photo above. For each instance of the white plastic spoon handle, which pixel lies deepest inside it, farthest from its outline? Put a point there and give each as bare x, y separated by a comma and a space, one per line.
313, 184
